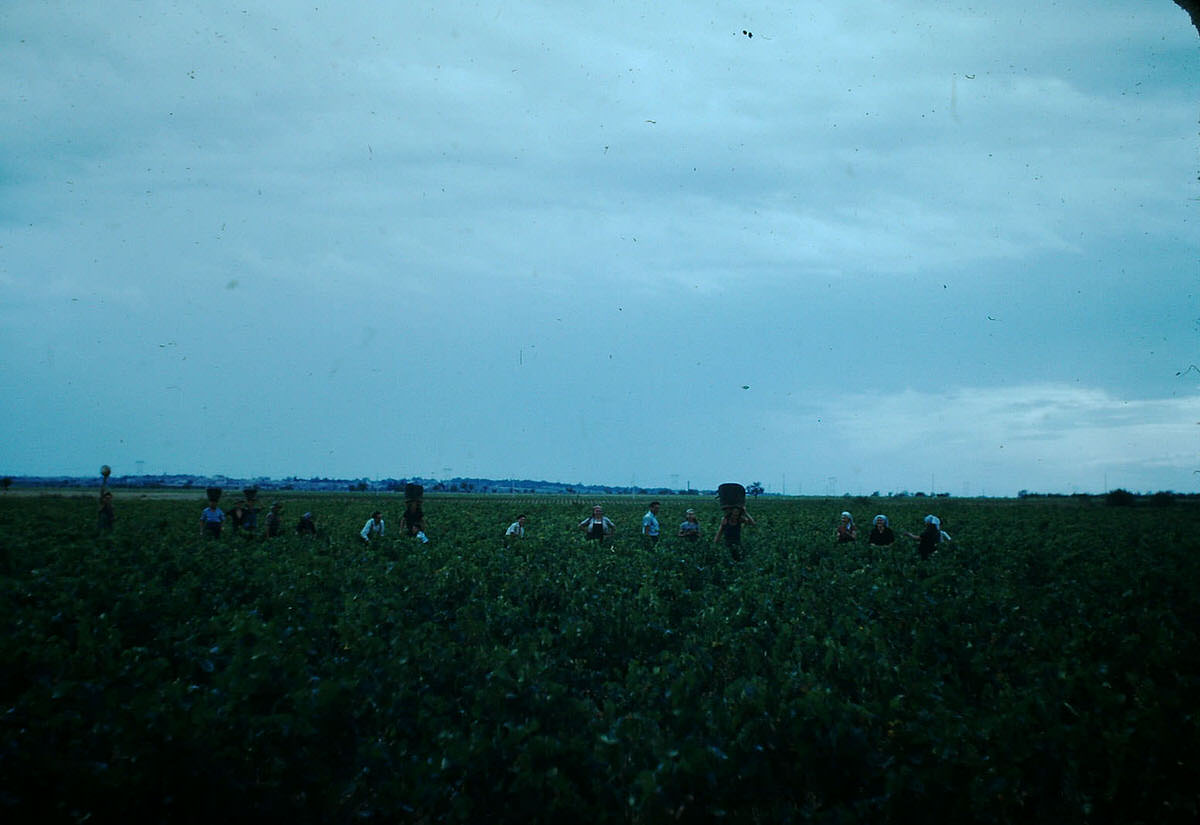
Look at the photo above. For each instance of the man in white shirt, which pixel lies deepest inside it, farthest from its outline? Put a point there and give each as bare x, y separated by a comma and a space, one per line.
515, 530
373, 527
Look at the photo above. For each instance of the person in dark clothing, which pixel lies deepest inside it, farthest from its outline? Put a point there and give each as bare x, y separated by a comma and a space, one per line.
414, 520
731, 530
930, 537
249, 517
106, 517
881, 534
275, 520
306, 526
237, 515
250, 510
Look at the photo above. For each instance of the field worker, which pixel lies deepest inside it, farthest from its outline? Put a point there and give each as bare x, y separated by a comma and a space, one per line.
881, 535
846, 531
731, 530
650, 524
250, 515
598, 526
211, 519
516, 530
373, 528
930, 537
275, 520
236, 515
690, 528
106, 517
414, 520
306, 526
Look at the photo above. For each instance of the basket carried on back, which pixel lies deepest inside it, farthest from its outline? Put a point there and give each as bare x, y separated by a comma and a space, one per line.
732, 495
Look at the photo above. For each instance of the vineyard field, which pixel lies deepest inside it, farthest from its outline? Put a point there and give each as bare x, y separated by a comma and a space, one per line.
1044, 666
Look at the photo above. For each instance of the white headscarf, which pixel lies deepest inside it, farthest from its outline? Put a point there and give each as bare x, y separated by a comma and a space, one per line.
934, 520
879, 518
847, 515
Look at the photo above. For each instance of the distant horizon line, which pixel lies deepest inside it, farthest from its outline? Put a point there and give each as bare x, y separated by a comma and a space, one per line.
88, 481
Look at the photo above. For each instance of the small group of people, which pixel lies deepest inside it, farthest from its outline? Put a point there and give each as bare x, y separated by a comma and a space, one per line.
413, 519
882, 535
689, 528
243, 518
600, 527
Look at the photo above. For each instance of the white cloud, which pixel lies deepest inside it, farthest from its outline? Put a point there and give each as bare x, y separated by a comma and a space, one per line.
1053, 437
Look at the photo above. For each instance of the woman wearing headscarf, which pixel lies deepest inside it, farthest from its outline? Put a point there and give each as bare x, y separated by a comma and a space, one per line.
689, 529
881, 534
846, 531
930, 537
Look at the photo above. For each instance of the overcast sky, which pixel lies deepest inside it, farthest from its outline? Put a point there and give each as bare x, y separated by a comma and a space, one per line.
831, 246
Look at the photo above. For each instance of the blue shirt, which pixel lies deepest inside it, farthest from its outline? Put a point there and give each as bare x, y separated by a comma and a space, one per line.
650, 524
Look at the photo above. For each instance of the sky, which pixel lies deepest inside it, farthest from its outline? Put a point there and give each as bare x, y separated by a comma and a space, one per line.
834, 247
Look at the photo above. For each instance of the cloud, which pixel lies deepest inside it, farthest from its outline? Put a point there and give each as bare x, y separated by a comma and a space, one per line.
1048, 436
856, 189
826, 145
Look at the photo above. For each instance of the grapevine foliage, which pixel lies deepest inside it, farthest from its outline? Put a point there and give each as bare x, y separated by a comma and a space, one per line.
1044, 666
